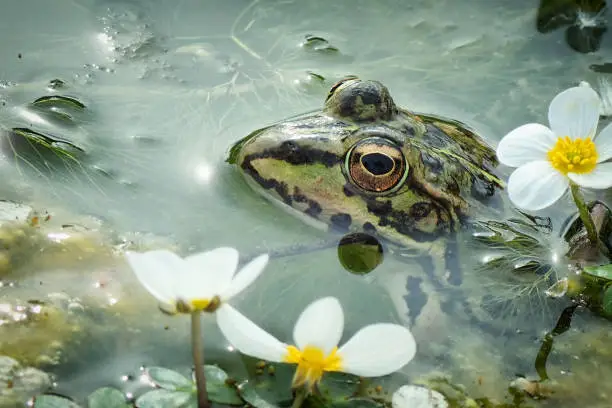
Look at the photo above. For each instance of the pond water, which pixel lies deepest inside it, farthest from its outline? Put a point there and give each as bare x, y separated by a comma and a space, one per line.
168, 86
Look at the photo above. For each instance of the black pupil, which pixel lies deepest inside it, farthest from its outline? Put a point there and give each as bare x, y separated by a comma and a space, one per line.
377, 163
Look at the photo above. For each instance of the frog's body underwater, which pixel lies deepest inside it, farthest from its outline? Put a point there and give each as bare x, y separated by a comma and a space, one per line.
362, 164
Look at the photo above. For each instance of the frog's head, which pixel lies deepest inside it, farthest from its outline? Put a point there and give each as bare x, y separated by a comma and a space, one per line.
361, 164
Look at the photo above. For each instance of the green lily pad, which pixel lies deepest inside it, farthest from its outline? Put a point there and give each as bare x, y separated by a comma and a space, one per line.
107, 397
272, 382
53, 401
249, 393
600, 271
218, 388
162, 398
169, 379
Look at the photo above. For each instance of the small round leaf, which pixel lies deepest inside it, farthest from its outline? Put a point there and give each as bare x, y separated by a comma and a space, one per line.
107, 398
162, 398
168, 379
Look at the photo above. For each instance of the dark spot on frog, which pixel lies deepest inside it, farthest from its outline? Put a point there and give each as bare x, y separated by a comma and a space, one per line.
419, 211
283, 191
482, 189
341, 221
348, 191
369, 228
380, 208
314, 208
292, 153
404, 222
435, 137
452, 186
416, 298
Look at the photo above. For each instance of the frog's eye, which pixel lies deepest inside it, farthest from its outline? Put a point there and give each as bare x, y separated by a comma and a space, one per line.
376, 164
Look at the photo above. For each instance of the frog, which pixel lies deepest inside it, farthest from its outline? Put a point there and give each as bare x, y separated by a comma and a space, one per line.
362, 164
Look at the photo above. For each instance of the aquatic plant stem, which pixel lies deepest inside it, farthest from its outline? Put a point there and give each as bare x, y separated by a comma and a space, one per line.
585, 216
198, 360
300, 397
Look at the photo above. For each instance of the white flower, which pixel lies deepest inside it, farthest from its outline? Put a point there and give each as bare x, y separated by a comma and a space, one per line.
414, 396
375, 350
548, 158
201, 281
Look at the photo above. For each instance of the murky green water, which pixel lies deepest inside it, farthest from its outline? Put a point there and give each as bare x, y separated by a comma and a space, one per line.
170, 85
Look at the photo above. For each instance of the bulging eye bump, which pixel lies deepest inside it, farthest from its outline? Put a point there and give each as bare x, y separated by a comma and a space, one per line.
338, 84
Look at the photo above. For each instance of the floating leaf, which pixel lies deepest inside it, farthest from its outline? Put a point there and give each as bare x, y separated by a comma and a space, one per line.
218, 388
249, 393
53, 401
319, 44
107, 398
600, 271
60, 147
169, 379
58, 100
271, 382
162, 398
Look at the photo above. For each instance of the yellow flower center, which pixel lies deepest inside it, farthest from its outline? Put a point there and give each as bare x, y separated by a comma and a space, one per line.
198, 305
312, 363
573, 156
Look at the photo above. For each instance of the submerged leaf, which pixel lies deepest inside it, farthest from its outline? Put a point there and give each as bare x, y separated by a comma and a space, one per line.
107, 397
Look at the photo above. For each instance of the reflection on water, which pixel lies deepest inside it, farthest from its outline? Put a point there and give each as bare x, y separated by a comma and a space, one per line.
169, 86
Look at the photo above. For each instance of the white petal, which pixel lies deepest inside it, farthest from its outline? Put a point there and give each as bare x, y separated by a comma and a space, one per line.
536, 185
603, 143
247, 337
414, 396
320, 325
599, 178
574, 112
246, 276
156, 272
525, 144
378, 349
208, 274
